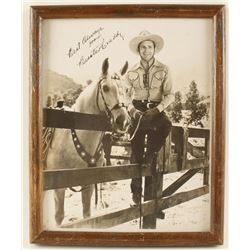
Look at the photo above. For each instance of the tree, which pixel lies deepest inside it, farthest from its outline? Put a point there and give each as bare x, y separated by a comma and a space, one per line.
176, 113
198, 110
192, 96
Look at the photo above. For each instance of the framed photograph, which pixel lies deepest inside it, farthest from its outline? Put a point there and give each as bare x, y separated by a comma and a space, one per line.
127, 125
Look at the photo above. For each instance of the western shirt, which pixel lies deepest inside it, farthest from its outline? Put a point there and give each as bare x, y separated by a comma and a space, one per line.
152, 84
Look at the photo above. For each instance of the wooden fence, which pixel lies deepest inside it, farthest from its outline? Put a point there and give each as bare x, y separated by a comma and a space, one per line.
155, 199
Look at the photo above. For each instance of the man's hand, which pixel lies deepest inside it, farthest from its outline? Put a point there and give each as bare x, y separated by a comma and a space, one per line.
135, 113
150, 114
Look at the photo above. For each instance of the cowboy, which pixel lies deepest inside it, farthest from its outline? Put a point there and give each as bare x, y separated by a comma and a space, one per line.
150, 89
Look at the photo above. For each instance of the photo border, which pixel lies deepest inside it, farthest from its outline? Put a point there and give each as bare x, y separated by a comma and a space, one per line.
215, 236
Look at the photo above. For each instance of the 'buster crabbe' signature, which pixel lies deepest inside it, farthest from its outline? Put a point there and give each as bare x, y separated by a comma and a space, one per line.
102, 46
91, 38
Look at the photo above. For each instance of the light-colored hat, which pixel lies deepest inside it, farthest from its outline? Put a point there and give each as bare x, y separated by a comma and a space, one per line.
146, 36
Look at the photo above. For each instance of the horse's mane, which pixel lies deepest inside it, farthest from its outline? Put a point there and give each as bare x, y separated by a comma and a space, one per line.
86, 98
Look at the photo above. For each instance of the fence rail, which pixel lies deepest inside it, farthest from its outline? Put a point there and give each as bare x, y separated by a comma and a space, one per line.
67, 119
162, 199
64, 178
122, 216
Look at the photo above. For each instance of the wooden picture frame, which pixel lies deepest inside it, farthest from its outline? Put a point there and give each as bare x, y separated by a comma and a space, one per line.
217, 137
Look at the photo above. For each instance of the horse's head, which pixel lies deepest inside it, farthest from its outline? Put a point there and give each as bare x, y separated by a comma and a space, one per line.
111, 97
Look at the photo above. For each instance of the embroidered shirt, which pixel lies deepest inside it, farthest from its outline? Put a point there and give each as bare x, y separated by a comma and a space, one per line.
152, 83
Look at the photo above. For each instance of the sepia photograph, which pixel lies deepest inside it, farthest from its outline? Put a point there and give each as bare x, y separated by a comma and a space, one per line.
126, 124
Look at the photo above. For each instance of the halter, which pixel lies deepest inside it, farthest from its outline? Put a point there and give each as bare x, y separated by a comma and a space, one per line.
108, 110
87, 157
91, 160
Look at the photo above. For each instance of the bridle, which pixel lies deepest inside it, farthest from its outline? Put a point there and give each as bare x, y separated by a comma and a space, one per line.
92, 159
108, 110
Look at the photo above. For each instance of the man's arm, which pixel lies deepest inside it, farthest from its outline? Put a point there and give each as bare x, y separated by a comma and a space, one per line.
133, 112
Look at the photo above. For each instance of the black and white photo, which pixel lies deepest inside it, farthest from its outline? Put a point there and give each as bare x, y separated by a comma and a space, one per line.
162, 80
127, 133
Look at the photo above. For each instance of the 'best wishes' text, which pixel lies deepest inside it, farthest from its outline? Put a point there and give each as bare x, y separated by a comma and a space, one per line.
96, 42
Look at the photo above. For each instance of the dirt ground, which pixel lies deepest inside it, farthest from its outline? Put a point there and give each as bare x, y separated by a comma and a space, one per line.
190, 216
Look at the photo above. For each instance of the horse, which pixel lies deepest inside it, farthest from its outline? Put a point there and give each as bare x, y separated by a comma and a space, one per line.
82, 148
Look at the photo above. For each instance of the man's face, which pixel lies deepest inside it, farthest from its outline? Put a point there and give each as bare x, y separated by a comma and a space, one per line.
146, 50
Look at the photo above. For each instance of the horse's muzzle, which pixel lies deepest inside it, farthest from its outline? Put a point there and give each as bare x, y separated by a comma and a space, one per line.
121, 124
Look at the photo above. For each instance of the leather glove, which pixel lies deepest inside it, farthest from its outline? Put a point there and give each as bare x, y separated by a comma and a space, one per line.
151, 114
135, 113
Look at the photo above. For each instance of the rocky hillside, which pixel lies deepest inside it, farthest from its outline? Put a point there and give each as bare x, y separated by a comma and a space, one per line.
57, 86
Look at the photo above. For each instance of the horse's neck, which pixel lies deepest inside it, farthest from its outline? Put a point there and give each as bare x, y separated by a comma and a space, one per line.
87, 103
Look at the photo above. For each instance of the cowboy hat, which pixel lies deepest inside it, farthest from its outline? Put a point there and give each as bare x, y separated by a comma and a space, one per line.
146, 36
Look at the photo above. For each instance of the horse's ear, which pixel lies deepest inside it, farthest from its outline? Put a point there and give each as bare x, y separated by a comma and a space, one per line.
105, 66
124, 69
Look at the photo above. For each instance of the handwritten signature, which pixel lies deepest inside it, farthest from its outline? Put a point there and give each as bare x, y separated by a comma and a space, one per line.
91, 38
100, 47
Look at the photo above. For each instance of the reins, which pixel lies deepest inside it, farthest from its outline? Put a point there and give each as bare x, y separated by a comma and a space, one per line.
136, 129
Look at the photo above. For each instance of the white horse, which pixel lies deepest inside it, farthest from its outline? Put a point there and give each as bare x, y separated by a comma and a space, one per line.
82, 148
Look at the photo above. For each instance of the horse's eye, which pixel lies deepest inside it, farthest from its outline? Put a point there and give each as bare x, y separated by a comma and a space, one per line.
105, 88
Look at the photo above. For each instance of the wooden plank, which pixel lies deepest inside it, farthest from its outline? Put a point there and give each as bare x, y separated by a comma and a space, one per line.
190, 164
185, 145
63, 178
182, 197
171, 165
107, 147
114, 218
199, 132
121, 143
120, 157
67, 119
169, 155
193, 132
150, 191
177, 138
206, 170
165, 156
195, 151
196, 163
122, 216
179, 182
127, 11
176, 131
35, 148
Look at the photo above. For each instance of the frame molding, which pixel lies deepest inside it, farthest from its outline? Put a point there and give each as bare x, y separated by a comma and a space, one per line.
215, 236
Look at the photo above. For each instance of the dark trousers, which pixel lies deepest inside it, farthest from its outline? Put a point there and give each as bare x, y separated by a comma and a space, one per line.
157, 131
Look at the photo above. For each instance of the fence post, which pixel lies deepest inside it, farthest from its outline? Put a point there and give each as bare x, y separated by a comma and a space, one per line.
185, 145
107, 146
169, 155
178, 140
164, 166
149, 221
206, 169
